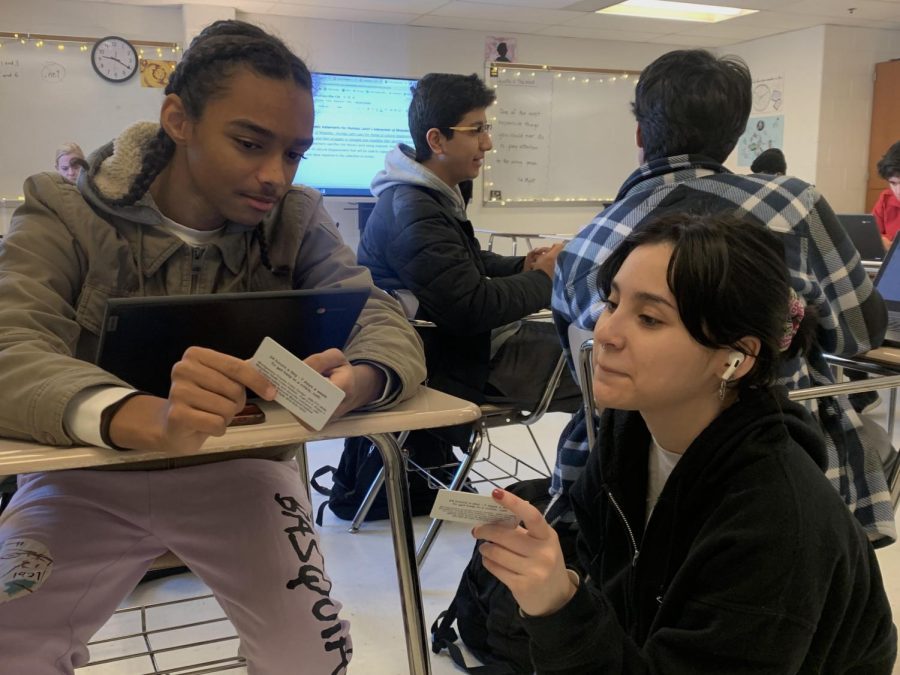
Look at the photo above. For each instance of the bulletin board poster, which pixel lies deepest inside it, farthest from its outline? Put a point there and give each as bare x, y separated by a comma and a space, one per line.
761, 134
499, 49
768, 95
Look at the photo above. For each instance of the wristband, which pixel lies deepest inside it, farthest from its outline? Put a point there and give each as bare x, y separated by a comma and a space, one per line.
109, 412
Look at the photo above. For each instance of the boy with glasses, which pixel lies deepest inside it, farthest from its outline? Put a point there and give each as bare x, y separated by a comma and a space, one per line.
419, 239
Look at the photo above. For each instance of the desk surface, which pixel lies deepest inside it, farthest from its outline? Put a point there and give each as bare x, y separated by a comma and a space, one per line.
525, 235
886, 355
428, 408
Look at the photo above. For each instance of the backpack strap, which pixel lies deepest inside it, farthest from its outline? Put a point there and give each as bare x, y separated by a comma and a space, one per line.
443, 636
322, 490
321, 472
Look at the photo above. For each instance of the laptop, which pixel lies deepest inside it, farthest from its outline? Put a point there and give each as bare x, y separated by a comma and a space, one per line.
864, 234
888, 284
142, 338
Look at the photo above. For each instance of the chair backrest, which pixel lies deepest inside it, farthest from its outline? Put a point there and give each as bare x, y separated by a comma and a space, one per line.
577, 337
408, 301
582, 356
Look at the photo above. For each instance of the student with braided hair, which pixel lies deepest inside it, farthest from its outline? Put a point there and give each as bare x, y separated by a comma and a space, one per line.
200, 203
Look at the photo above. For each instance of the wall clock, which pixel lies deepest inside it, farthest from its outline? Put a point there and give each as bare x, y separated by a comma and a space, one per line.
114, 59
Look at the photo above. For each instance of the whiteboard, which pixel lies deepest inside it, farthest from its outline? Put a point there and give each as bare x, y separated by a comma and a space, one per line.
48, 97
560, 135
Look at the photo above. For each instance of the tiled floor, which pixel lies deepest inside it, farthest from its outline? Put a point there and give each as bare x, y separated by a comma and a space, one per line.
362, 569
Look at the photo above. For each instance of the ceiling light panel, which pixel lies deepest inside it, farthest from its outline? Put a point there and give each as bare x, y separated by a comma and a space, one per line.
675, 11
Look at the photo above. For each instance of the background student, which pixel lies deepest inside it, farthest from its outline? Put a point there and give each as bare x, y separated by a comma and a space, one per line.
770, 161
691, 108
709, 538
200, 203
887, 207
419, 239
68, 158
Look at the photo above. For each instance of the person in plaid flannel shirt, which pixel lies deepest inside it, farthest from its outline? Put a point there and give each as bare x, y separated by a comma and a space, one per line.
691, 108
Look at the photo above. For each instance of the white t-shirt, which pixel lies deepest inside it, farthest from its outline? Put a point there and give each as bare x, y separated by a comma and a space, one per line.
660, 464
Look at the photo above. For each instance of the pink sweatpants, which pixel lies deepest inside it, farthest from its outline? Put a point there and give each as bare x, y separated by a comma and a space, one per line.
73, 544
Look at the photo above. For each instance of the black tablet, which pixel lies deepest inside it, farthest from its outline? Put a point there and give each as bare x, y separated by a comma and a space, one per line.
144, 337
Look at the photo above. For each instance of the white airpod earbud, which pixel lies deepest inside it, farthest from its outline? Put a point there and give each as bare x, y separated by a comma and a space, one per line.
735, 359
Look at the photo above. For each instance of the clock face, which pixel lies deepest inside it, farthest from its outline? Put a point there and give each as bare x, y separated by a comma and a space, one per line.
114, 59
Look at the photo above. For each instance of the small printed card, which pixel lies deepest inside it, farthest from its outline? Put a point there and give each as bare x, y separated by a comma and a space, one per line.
305, 393
474, 509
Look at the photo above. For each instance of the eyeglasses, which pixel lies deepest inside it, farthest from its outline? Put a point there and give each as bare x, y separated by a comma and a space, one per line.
475, 129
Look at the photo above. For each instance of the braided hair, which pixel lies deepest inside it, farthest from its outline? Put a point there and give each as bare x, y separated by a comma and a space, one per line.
203, 73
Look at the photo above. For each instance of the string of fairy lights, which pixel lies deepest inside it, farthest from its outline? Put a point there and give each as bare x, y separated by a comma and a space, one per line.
562, 76
145, 48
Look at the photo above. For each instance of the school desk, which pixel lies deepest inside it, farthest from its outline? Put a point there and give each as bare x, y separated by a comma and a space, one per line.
427, 409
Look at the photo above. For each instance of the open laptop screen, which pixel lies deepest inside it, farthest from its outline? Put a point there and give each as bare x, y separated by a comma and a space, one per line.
863, 232
143, 338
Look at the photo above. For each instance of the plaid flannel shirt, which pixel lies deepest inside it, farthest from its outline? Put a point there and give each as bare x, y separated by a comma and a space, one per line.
825, 270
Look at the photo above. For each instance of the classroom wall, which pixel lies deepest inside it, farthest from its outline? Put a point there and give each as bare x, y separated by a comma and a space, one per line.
71, 17
846, 111
798, 56
828, 73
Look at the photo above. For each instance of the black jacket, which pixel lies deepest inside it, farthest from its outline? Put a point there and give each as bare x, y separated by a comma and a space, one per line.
414, 241
750, 563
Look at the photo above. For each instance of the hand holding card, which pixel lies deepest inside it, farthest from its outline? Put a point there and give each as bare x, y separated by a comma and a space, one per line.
309, 396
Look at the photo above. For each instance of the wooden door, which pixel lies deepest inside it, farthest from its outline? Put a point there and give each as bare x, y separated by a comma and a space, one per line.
885, 123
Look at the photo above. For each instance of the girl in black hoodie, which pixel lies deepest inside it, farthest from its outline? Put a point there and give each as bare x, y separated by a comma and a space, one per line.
710, 540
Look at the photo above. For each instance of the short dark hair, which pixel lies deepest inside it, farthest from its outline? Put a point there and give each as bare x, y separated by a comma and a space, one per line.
729, 280
690, 102
440, 101
889, 165
770, 161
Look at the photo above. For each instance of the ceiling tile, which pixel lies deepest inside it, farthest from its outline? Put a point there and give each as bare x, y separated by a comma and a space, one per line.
540, 4
399, 6
775, 22
565, 18
598, 34
728, 29
477, 10
839, 9
694, 40
341, 14
497, 26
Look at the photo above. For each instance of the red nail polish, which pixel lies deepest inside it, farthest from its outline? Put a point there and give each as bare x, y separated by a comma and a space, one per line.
497, 493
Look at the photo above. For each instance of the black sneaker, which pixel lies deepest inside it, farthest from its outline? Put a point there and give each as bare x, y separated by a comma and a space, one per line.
865, 401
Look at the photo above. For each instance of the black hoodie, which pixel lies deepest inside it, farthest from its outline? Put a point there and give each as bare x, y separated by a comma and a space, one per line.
750, 563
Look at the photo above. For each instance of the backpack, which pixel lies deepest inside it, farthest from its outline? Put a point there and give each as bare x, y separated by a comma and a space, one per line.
486, 613
359, 465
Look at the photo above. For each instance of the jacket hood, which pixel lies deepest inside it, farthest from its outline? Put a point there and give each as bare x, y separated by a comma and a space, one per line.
401, 168
114, 168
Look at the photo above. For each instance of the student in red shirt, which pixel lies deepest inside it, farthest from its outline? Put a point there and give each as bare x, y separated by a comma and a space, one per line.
887, 207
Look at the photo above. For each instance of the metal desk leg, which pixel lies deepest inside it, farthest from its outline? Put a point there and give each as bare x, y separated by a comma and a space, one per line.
892, 406
404, 552
303, 464
375, 487
367, 502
